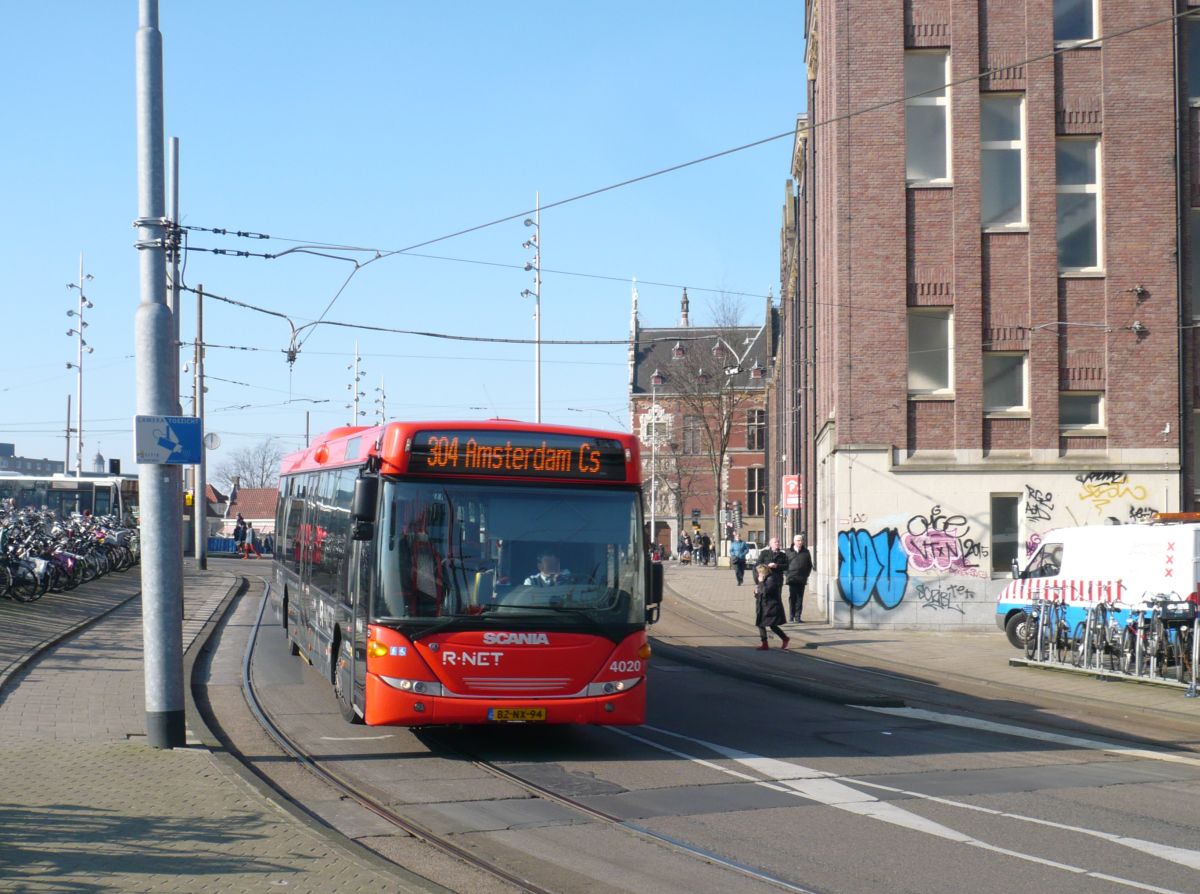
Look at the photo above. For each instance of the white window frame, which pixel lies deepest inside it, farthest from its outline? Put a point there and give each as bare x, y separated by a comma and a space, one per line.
1019, 145
992, 538
1091, 428
948, 313
926, 100
1085, 189
1014, 410
1074, 42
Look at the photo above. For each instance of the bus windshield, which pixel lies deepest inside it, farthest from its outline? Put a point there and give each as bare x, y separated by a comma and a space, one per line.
511, 553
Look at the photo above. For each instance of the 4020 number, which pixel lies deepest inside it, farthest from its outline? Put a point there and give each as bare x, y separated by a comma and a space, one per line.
626, 667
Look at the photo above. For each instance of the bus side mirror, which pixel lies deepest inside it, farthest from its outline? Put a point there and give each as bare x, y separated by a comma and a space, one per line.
654, 592
362, 507
1016, 569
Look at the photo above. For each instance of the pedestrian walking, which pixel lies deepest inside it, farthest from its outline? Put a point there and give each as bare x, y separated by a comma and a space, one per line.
799, 567
737, 556
705, 548
768, 607
251, 543
239, 536
774, 559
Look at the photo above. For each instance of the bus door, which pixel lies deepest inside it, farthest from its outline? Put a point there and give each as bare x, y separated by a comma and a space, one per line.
358, 585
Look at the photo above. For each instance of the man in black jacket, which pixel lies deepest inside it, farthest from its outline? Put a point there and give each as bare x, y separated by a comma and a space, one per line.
774, 558
799, 567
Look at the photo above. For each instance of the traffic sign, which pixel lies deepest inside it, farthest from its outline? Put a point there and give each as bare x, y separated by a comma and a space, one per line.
167, 440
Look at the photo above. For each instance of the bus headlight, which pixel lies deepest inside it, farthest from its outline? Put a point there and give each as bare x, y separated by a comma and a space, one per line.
419, 687
612, 687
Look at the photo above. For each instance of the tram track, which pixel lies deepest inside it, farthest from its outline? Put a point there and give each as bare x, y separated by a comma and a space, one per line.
347, 788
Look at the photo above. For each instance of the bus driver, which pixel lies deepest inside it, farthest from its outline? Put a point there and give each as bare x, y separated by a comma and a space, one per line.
549, 573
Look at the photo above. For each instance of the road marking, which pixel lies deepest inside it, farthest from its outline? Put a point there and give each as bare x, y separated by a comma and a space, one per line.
833, 791
354, 738
1040, 735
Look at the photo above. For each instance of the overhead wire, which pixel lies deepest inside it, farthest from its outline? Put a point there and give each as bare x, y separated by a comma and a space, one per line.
810, 126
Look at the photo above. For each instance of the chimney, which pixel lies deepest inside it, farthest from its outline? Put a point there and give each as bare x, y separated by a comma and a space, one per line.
683, 306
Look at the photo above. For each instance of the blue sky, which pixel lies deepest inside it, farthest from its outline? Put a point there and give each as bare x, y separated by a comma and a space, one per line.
384, 125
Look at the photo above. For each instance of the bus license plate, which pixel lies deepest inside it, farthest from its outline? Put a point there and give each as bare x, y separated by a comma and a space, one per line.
516, 715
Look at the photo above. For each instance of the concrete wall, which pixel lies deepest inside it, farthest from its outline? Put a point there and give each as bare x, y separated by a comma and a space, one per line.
913, 548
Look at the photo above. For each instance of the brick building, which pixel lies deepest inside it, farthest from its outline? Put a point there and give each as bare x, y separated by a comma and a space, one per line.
697, 400
986, 334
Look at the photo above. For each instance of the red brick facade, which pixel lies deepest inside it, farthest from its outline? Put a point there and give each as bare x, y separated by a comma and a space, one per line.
863, 246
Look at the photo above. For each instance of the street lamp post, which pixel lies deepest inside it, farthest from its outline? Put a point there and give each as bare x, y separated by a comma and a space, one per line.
81, 347
655, 380
535, 242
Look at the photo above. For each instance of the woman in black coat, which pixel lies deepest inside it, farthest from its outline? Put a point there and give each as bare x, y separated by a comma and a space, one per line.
768, 606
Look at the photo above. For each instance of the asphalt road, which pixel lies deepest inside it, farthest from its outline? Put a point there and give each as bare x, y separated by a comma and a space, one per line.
815, 795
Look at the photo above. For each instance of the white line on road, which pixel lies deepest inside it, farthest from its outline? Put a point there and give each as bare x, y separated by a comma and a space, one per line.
1040, 735
832, 791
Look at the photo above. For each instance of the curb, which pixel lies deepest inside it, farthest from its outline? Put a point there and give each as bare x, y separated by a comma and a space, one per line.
38, 649
228, 759
699, 656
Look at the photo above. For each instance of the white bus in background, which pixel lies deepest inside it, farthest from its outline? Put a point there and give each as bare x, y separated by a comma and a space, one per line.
94, 493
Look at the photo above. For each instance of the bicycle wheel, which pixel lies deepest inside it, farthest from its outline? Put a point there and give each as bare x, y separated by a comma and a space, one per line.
5, 578
25, 584
1077, 640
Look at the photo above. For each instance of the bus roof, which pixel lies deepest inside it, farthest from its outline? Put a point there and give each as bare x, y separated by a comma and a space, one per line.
473, 449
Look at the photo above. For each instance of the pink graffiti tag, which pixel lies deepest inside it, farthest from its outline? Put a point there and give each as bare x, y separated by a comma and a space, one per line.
1031, 545
939, 543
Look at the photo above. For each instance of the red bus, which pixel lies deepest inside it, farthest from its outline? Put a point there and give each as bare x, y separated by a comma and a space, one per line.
469, 572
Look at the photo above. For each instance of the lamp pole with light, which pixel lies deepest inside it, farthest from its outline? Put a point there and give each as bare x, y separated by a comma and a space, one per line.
81, 346
535, 242
656, 379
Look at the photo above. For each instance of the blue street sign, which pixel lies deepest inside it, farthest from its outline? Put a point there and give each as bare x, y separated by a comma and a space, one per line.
167, 440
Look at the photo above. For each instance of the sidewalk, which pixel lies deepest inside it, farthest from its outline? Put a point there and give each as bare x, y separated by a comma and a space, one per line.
707, 619
86, 806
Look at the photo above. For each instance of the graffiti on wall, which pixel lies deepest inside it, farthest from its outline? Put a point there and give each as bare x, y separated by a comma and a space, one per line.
872, 565
1101, 488
943, 598
1032, 543
1038, 504
937, 542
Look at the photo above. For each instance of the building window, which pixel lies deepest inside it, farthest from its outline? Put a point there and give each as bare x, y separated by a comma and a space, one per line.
1192, 262
1074, 20
926, 116
1191, 27
1003, 382
756, 430
1004, 531
930, 354
1078, 186
1076, 410
656, 425
692, 437
1002, 160
756, 491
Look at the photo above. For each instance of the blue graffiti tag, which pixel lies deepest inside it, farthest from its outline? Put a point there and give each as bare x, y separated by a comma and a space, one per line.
872, 565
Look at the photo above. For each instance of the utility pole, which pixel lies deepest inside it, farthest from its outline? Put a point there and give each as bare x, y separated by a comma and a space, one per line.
82, 347
353, 386
535, 242
67, 454
173, 296
199, 499
157, 368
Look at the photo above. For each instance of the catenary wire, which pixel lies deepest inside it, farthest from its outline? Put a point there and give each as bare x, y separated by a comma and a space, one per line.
381, 254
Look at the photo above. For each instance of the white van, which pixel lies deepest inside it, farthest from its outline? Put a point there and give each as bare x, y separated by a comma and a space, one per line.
1117, 564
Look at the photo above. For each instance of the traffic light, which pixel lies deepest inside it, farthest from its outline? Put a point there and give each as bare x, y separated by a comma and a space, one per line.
187, 498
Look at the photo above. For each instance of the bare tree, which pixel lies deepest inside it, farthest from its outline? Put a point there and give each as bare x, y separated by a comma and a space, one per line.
713, 386
256, 466
681, 480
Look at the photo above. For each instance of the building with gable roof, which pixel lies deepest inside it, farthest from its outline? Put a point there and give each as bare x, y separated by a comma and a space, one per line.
697, 401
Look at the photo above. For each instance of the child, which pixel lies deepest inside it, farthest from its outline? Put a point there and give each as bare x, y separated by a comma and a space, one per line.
768, 606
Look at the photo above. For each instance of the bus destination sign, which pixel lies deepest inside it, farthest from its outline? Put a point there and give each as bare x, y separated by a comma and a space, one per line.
517, 454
